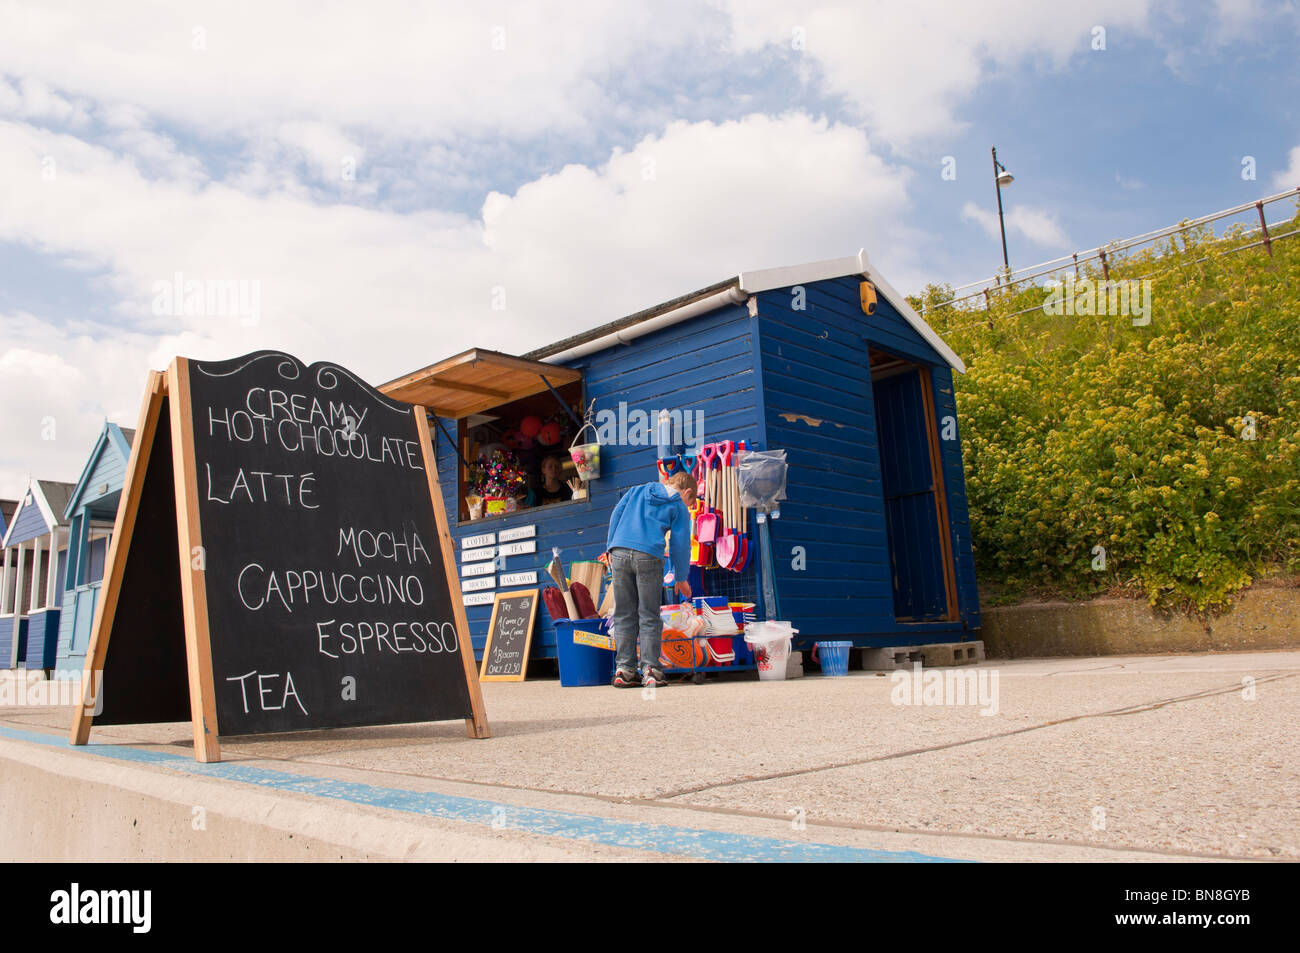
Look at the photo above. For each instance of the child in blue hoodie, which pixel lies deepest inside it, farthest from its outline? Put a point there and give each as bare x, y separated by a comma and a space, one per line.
636, 545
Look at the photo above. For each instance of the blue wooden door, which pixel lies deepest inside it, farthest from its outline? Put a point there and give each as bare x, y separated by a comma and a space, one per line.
911, 502
85, 615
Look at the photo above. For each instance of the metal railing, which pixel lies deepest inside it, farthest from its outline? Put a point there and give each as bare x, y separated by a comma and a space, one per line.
1106, 253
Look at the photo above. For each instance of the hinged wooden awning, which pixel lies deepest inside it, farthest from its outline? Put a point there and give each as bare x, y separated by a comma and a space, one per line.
476, 381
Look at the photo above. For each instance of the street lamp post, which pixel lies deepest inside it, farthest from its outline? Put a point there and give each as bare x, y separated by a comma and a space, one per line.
1002, 177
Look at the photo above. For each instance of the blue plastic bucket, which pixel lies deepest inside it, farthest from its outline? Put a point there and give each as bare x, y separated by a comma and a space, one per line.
834, 658
583, 664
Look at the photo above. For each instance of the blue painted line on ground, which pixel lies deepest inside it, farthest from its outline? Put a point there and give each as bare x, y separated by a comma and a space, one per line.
700, 844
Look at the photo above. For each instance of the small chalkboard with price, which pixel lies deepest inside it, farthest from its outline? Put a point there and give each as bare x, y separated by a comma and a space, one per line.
510, 636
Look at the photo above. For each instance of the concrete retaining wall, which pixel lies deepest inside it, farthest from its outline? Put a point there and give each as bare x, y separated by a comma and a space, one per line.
1264, 618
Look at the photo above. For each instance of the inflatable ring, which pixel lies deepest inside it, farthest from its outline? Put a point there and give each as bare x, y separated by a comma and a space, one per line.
678, 650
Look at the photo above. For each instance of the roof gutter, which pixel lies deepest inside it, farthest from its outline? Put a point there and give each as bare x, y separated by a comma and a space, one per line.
727, 296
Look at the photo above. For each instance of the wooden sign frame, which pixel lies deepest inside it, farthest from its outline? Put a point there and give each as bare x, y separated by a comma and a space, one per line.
174, 386
115, 563
528, 639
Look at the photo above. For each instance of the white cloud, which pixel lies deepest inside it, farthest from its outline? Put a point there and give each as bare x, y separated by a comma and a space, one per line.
751, 193
1289, 178
324, 146
384, 292
517, 69
33, 99
1233, 11
57, 387
509, 67
158, 155
908, 66
1040, 226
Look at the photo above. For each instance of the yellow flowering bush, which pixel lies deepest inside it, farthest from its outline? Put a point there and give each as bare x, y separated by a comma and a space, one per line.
1163, 457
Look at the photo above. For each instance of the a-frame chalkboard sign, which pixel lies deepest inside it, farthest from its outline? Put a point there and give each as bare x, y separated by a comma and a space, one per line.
281, 561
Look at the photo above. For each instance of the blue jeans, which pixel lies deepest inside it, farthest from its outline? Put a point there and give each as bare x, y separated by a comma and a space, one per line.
638, 592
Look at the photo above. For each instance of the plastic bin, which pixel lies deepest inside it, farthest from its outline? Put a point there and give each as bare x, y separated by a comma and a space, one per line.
771, 642
579, 647
772, 658
834, 658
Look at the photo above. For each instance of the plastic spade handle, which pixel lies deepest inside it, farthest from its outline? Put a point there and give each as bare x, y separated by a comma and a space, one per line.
744, 510
725, 450
708, 453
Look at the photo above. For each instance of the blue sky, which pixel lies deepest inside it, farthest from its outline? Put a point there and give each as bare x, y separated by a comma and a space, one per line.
386, 176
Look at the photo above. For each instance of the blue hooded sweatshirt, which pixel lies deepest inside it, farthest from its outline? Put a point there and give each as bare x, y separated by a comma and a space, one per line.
642, 517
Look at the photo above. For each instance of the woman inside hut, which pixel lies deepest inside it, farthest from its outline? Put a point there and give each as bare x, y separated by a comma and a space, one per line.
552, 488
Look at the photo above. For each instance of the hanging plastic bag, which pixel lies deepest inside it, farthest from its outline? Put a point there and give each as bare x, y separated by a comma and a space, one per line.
681, 618
761, 476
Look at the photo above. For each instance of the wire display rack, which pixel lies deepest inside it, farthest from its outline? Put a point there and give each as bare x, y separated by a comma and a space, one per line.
703, 649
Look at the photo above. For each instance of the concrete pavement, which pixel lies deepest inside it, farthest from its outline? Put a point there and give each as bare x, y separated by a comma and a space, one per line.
1101, 759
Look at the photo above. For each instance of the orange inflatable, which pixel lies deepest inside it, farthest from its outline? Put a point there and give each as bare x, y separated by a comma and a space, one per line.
678, 650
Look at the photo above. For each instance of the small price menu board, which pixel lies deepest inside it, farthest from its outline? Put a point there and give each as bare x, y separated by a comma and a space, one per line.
510, 636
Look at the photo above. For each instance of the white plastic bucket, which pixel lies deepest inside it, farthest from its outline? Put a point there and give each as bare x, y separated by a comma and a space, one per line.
771, 641
772, 658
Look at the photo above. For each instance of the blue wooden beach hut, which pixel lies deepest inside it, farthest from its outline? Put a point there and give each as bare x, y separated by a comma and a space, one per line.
35, 546
90, 512
873, 543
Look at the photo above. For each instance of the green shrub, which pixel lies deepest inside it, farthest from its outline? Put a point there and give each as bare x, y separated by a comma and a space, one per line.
1088, 431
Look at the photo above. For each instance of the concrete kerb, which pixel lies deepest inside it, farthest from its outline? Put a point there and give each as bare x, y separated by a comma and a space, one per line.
82, 808
105, 810
79, 807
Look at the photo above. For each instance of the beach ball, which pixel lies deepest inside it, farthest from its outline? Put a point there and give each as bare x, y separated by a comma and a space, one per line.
529, 426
